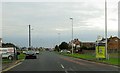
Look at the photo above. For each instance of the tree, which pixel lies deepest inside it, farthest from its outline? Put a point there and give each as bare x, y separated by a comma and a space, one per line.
4, 45
56, 48
8, 45
63, 45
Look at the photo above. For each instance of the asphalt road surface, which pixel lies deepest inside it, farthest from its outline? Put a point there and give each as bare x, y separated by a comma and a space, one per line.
51, 61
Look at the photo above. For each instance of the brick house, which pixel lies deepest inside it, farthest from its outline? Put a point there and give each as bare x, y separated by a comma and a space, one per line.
88, 44
113, 43
76, 42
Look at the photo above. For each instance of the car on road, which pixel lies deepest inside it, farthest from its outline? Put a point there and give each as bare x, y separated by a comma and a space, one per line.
31, 55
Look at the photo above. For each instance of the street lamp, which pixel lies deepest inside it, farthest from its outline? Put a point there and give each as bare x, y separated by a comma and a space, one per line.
72, 34
106, 28
29, 41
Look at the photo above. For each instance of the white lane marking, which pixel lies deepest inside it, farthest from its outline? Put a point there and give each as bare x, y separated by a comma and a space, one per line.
62, 66
71, 69
66, 71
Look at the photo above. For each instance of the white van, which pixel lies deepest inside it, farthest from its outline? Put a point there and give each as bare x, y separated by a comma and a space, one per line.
8, 53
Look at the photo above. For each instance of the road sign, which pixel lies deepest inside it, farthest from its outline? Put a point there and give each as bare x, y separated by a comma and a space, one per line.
100, 50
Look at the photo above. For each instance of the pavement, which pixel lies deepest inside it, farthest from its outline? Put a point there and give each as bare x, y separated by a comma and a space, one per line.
52, 62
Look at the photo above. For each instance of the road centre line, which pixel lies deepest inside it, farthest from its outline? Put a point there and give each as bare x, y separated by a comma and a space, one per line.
64, 68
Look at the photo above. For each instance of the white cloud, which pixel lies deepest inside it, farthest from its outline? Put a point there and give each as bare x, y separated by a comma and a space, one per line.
61, 29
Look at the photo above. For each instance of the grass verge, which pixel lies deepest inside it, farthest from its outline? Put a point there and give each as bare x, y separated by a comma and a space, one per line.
91, 57
20, 57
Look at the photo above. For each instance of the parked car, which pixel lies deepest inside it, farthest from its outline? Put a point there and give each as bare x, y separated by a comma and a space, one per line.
7, 56
9, 53
31, 55
37, 52
65, 51
24, 52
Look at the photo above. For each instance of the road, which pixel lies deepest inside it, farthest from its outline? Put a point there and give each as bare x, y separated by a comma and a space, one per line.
51, 61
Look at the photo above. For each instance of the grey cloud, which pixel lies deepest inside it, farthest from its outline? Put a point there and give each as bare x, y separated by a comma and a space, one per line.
45, 17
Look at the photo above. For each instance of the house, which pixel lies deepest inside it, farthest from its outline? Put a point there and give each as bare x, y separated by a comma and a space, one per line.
78, 43
113, 43
88, 44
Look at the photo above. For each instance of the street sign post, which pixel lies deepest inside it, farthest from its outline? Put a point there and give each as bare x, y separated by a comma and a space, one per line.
100, 51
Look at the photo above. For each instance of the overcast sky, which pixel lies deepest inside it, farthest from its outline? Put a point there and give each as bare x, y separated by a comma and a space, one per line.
47, 19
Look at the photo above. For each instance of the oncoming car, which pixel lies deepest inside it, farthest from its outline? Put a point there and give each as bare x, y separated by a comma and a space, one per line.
31, 55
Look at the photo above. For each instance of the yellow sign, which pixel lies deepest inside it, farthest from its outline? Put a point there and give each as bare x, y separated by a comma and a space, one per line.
100, 51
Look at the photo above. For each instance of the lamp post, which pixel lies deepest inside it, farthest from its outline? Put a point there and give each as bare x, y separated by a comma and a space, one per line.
106, 29
29, 36
72, 34
29, 43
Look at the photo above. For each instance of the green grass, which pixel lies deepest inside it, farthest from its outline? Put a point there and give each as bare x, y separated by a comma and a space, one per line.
112, 60
21, 56
6, 61
83, 56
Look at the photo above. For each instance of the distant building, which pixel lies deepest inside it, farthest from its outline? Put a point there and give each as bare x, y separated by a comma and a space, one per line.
76, 43
88, 44
0, 42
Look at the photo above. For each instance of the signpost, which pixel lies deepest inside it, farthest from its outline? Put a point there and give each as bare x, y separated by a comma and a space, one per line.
100, 48
100, 51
